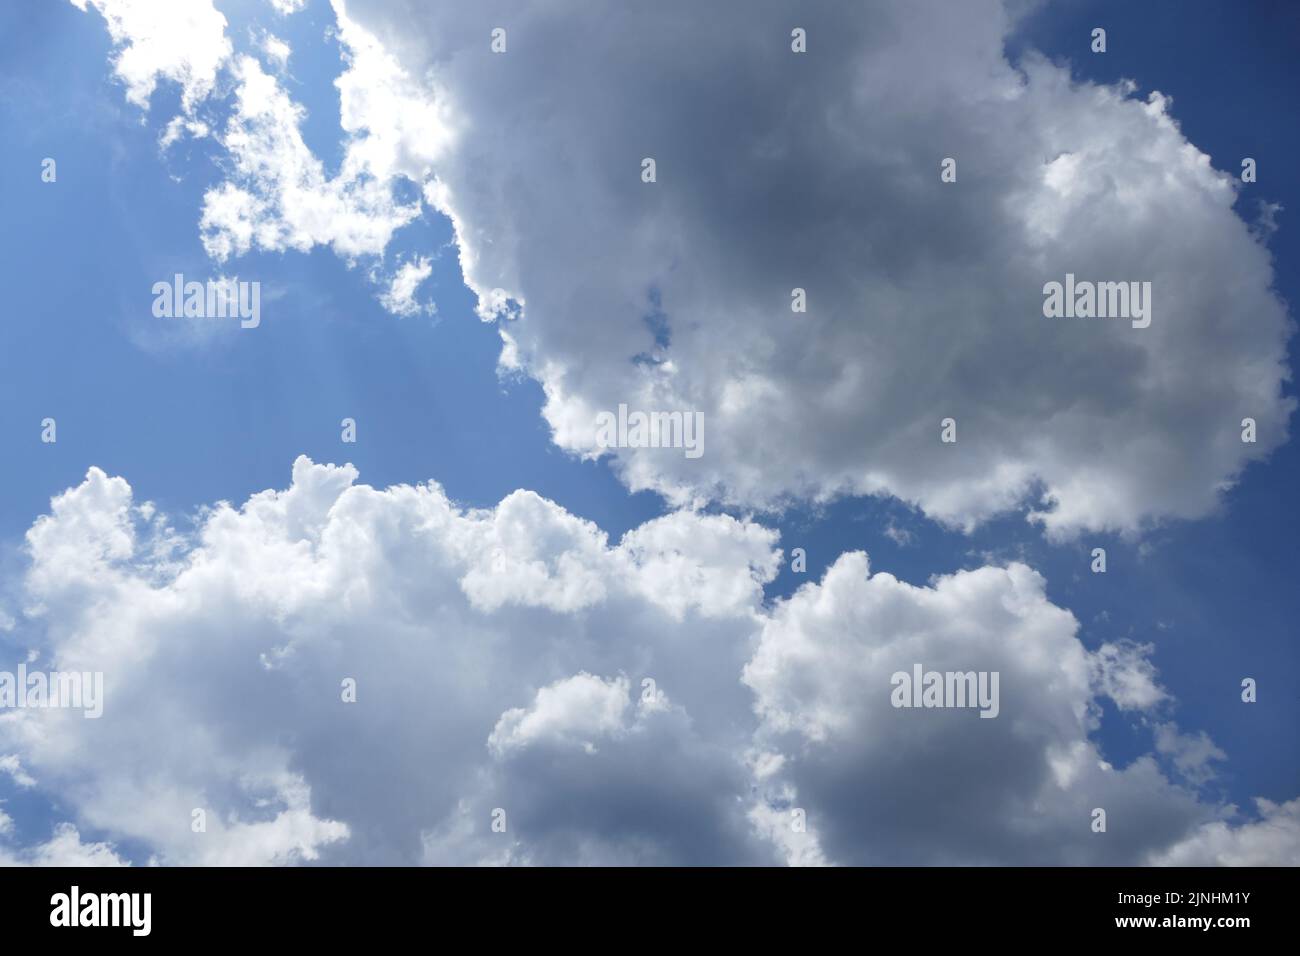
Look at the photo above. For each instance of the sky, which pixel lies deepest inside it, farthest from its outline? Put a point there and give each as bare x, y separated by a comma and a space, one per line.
457, 250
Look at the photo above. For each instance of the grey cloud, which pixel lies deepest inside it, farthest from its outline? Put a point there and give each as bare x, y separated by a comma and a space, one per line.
779, 170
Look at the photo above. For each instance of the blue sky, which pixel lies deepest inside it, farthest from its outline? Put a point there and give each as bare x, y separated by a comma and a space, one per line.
191, 423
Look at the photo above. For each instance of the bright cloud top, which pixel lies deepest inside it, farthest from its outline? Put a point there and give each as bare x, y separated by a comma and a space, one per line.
615, 706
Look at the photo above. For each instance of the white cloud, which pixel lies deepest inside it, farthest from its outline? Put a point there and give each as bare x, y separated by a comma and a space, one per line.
924, 298
501, 659
588, 777
1123, 672
400, 299
11, 765
476, 636
1273, 840
277, 51
887, 785
1193, 754
64, 848
580, 707
178, 126
183, 41
451, 622
900, 536
279, 196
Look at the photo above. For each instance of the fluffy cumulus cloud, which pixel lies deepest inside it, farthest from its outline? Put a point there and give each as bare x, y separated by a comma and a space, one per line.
821, 171
602, 702
776, 171
528, 691
488, 648
896, 785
